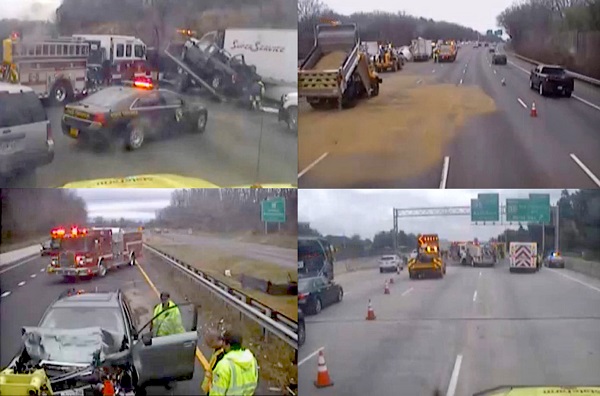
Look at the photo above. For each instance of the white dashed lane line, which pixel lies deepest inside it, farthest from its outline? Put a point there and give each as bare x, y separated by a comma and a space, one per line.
33, 275
5, 294
21, 283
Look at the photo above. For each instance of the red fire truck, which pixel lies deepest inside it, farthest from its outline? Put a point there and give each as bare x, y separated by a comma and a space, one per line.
94, 251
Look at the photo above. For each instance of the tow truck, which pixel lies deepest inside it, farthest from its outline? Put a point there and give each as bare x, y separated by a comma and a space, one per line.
428, 260
85, 252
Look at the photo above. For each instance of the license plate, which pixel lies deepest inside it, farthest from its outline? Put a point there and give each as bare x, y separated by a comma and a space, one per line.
7, 147
72, 392
74, 132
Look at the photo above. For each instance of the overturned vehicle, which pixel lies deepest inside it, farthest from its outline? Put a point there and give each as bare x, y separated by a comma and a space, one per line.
86, 344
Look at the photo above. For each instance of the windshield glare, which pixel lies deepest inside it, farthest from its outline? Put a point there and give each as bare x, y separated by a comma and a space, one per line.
81, 317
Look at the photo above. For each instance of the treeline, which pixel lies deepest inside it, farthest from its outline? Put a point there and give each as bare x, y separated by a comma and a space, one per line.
156, 21
28, 213
579, 224
225, 210
399, 28
355, 246
563, 32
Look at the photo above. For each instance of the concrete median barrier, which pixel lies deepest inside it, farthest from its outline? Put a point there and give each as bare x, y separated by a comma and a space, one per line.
589, 268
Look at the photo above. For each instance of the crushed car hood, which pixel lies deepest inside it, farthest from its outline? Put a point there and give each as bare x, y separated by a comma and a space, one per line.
161, 181
70, 345
541, 390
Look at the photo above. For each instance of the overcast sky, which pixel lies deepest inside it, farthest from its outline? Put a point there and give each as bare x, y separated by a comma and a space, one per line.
29, 9
366, 212
476, 14
129, 203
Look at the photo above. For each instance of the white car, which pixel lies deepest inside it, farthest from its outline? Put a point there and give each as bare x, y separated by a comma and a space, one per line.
390, 263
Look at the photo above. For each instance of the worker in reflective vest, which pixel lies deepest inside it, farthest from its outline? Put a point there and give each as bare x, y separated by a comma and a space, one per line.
214, 341
167, 317
237, 372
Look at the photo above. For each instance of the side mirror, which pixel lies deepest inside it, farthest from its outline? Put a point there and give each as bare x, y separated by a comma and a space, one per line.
147, 339
134, 334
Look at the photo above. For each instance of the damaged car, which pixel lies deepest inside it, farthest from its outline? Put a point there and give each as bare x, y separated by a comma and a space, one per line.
86, 342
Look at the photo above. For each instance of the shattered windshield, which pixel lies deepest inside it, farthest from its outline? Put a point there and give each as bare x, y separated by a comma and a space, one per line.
77, 318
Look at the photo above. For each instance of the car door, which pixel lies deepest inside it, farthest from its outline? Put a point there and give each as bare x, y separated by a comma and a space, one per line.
171, 357
174, 114
150, 107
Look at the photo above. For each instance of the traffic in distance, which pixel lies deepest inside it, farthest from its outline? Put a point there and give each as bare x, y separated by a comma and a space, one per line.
86, 108
438, 312
119, 308
440, 111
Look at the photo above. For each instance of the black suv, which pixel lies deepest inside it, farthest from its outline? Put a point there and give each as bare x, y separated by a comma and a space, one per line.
81, 331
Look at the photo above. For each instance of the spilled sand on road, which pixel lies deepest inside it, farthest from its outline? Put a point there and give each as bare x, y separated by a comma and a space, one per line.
399, 134
332, 60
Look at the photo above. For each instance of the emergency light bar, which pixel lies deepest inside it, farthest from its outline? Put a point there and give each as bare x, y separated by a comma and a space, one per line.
143, 82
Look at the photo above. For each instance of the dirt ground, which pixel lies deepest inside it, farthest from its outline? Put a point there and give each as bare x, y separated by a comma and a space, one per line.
215, 262
332, 60
408, 123
272, 239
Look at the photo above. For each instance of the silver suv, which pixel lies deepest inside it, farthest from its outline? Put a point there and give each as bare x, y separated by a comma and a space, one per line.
25, 135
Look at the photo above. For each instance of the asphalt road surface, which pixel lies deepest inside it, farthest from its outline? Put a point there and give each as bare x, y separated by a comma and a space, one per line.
270, 254
27, 290
226, 154
455, 125
476, 329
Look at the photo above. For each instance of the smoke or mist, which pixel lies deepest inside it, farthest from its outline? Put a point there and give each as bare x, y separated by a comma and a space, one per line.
29, 10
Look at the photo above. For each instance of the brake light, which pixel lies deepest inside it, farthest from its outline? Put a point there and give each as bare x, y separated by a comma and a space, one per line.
302, 296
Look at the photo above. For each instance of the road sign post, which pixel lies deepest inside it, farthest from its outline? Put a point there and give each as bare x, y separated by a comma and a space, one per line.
272, 211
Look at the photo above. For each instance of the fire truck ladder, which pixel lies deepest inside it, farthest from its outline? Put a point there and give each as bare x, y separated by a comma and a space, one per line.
196, 78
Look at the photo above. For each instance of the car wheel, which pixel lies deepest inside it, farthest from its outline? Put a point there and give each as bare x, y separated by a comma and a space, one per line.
301, 334
201, 122
60, 93
541, 89
135, 136
381, 270
340, 296
568, 94
318, 306
531, 84
217, 82
132, 261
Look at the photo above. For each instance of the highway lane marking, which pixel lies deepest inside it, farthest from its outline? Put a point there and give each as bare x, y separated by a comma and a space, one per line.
585, 169
433, 71
5, 294
199, 354
18, 264
494, 71
479, 273
454, 377
306, 359
522, 103
461, 80
33, 275
406, 292
21, 283
419, 82
475, 296
575, 280
312, 165
445, 169
573, 96
43, 269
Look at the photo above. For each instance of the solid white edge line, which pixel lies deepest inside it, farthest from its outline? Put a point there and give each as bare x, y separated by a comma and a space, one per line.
454, 377
475, 296
18, 264
406, 292
445, 169
522, 103
573, 96
575, 280
301, 362
312, 165
585, 169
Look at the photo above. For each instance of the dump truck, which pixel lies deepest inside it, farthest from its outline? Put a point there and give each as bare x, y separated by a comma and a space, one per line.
337, 72
428, 260
523, 257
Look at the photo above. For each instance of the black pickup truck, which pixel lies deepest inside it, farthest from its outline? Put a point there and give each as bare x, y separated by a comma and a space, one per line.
551, 80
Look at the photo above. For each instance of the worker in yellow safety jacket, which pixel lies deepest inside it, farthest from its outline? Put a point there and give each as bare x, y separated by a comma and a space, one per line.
214, 341
167, 317
237, 372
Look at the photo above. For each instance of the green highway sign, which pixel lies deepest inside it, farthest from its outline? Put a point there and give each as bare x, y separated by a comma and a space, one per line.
489, 32
498, 32
485, 208
539, 208
536, 209
273, 210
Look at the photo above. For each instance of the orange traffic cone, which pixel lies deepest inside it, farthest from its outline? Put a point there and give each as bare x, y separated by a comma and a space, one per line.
370, 312
392, 281
533, 110
386, 288
108, 389
323, 379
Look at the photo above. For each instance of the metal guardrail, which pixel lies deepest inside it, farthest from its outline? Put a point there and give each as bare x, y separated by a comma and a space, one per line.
272, 321
578, 76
